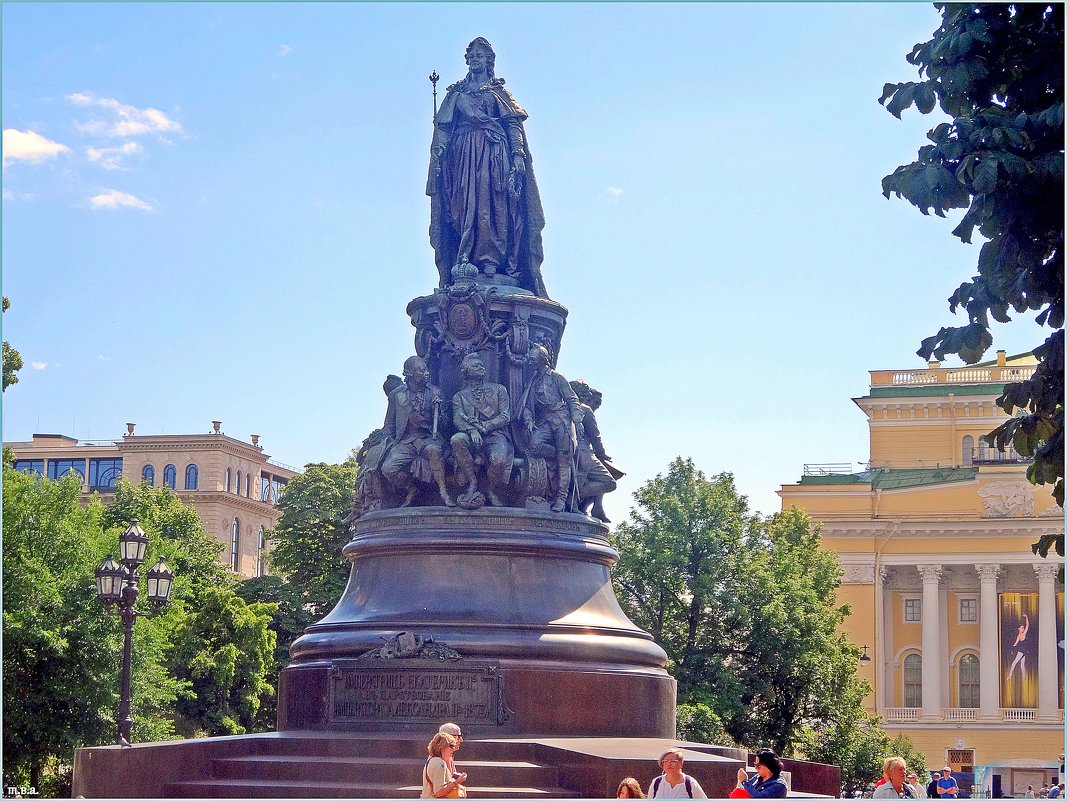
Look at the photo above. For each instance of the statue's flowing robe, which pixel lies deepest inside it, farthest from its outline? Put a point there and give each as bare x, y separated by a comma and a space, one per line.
472, 211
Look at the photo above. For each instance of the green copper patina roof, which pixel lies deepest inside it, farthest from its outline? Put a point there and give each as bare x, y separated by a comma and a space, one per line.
897, 479
921, 477
861, 478
937, 390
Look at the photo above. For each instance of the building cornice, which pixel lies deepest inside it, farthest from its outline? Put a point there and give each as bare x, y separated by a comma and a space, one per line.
1034, 527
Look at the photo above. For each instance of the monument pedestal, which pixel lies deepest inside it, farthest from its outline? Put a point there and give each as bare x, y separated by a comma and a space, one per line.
502, 620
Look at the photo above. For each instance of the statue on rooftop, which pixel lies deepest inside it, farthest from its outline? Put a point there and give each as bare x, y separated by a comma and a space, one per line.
484, 205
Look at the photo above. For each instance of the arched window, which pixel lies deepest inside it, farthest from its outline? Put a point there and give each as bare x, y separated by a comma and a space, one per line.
192, 477
235, 543
248, 485
148, 475
969, 673
237, 488
170, 476
260, 567
913, 681
968, 451
229, 479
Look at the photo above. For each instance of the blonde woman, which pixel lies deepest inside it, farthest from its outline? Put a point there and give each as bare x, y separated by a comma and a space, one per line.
439, 780
894, 772
629, 788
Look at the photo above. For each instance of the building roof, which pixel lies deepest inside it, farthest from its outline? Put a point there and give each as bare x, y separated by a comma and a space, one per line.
897, 479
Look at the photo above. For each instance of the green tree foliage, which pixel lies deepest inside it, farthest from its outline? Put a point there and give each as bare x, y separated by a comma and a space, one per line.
800, 668
310, 534
682, 560
697, 723
12, 358
744, 608
997, 71
224, 651
62, 649
857, 743
289, 619
59, 683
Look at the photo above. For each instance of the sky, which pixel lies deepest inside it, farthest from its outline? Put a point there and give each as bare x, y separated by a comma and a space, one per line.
216, 212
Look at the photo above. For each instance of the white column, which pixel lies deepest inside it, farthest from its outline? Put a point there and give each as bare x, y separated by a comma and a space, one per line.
931, 640
988, 640
884, 638
1048, 705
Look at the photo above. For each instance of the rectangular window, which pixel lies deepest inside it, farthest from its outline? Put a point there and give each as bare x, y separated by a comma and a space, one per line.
913, 610
968, 610
57, 468
104, 473
30, 466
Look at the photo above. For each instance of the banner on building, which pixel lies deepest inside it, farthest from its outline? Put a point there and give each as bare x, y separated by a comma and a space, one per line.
1018, 650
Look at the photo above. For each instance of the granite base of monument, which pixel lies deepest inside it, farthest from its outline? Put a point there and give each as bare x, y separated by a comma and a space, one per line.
502, 620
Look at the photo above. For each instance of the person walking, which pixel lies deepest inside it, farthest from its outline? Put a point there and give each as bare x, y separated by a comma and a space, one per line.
673, 783
439, 776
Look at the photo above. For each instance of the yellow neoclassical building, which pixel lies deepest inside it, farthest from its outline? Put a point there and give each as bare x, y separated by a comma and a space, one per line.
232, 484
963, 624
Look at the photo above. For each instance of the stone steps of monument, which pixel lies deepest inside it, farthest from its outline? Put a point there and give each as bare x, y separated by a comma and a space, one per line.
401, 770
390, 745
258, 788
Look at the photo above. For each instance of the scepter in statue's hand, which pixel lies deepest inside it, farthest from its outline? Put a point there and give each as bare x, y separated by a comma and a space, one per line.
434, 78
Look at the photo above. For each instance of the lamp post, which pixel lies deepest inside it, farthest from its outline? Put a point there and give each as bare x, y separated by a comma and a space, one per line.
116, 586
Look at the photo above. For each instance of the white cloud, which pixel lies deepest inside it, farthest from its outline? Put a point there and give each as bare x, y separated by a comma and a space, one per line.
111, 158
124, 120
38, 365
284, 50
114, 199
103, 358
15, 196
29, 146
615, 192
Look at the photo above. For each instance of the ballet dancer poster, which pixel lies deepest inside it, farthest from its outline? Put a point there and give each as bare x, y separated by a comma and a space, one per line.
1018, 650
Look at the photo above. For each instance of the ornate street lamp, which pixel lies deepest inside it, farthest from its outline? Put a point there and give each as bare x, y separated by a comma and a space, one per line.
116, 586
865, 658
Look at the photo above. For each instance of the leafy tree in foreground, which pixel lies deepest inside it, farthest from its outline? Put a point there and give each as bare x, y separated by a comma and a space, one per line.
310, 534
745, 610
288, 620
59, 682
12, 358
997, 70
224, 650
682, 562
857, 744
800, 669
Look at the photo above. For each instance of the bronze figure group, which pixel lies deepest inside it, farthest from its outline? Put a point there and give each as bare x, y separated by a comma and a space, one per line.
473, 452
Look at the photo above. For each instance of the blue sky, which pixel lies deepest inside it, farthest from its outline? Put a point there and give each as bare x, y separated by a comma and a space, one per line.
217, 211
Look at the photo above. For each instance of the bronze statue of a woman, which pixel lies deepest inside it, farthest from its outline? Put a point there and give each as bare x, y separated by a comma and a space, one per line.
484, 204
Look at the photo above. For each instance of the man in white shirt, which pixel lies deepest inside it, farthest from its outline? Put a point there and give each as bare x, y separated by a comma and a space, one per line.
673, 783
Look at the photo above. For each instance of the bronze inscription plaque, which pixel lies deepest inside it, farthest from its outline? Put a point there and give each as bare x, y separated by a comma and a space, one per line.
419, 691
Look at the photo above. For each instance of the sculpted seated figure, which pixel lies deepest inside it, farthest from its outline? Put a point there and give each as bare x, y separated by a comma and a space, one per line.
481, 413
412, 421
